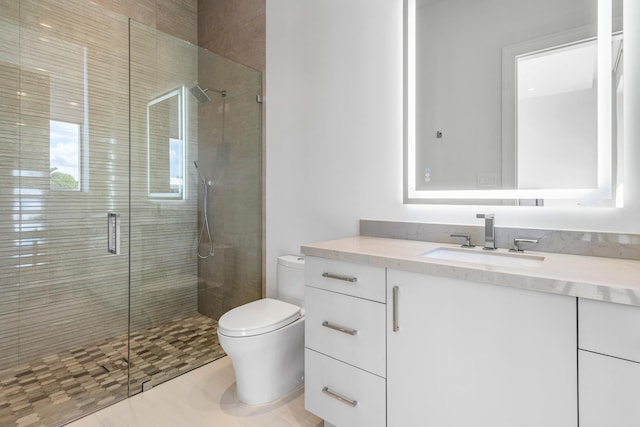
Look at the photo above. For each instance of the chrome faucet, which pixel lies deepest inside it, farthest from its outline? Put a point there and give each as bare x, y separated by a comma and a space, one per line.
467, 239
489, 231
519, 241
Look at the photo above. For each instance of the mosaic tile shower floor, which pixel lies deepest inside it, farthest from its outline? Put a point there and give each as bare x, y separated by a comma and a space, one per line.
58, 388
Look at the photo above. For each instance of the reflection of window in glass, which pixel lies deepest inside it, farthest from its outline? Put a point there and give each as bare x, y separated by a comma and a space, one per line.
64, 155
176, 160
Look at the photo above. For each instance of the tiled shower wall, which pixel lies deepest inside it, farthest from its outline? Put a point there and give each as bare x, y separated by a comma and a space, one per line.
234, 29
230, 153
178, 18
59, 287
233, 156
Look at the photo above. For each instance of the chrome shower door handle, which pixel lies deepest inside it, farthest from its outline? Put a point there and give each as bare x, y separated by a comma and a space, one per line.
113, 233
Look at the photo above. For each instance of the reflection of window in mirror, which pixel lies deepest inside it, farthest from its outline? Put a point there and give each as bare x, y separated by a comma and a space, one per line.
166, 146
556, 130
176, 162
557, 113
64, 155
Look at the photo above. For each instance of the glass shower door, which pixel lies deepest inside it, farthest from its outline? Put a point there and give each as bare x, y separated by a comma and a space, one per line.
163, 210
102, 292
65, 165
190, 106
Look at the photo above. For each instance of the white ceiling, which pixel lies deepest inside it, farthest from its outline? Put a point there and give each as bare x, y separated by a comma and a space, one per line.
558, 71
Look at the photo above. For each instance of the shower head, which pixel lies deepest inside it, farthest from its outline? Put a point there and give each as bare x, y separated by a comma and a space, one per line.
200, 94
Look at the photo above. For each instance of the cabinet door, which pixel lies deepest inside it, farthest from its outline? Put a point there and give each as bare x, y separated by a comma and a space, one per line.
470, 354
609, 328
609, 391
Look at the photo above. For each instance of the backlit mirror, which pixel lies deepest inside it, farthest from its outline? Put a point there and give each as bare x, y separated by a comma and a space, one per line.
514, 102
166, 146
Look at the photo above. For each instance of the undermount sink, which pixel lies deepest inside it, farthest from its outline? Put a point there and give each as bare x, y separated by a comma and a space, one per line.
479, 256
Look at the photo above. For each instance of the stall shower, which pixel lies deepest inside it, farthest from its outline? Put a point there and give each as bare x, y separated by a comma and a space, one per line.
102, 292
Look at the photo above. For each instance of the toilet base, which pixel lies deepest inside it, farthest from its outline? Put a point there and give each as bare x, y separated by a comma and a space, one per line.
267, 366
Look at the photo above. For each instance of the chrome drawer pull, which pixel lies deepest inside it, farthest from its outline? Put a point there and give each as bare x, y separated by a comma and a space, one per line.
340, 277
339, 397
342, 329
396, 291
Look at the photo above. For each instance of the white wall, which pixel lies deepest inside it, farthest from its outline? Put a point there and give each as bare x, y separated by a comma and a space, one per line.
557, 140
334, 130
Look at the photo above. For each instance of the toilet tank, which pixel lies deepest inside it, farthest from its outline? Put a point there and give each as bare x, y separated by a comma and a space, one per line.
290, 279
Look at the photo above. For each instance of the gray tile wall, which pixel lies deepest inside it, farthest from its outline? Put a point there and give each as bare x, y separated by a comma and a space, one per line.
236, 30
178, 18
230, 153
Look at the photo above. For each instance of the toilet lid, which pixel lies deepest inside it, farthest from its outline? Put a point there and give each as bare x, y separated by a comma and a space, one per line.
258, 317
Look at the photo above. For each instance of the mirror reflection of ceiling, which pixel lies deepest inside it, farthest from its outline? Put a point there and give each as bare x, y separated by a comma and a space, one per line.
564, 70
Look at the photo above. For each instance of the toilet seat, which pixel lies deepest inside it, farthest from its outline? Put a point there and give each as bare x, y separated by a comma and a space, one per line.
258, 317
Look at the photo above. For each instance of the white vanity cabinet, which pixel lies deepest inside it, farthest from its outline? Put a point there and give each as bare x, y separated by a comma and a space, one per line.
609, 364
468, 354
345, 342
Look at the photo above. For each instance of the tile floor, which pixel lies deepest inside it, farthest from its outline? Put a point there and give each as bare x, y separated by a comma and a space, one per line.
49, 390
204, 397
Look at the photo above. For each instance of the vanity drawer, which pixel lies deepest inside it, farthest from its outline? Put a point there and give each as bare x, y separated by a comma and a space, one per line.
352, 279
346, 328
609, 328
326, 380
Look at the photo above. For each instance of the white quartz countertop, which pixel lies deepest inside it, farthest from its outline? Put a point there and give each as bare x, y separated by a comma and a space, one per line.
598, 278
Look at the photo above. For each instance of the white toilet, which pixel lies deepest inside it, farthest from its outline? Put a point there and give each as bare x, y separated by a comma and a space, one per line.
265, 338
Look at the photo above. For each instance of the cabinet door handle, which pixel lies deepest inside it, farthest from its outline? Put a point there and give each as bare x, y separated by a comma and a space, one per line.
342, 329
396, 291
339, 397
340, 277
